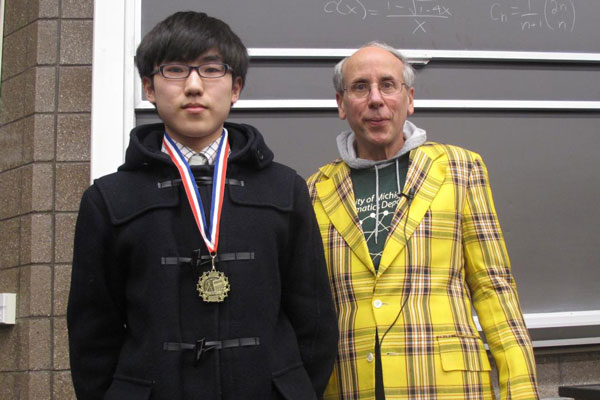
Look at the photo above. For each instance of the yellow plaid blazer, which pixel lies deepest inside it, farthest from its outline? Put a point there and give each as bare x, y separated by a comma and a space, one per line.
445, 253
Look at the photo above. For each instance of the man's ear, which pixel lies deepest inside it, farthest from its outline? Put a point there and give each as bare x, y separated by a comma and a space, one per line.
236, 90
340, 102
411, 101
148, 85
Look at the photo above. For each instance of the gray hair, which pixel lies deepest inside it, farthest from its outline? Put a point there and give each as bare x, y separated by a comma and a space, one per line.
408, 72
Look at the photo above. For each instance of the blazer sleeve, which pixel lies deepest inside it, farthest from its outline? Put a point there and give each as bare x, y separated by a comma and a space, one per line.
306, 292
95, 321
494, 291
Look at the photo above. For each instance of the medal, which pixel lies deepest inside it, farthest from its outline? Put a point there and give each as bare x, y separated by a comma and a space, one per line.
213, 286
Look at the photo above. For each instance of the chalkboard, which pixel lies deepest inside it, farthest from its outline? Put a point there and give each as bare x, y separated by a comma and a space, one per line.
528, 25
312, 79
544, 175
543, 164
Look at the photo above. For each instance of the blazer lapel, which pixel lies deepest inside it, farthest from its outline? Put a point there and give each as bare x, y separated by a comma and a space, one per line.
337, 197
423, 181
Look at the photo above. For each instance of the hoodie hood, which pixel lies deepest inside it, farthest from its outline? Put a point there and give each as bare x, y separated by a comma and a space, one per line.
413, 135
246, 143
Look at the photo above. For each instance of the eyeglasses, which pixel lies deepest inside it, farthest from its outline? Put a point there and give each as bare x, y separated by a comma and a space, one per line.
360, 90
182, 71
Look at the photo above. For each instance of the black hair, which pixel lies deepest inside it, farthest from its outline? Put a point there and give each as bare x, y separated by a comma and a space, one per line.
185, 36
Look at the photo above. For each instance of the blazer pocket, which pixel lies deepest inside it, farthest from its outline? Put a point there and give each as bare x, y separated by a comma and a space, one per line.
463, 353
294, 384
124, 387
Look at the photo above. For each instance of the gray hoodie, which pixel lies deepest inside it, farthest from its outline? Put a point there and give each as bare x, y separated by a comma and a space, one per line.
414, 137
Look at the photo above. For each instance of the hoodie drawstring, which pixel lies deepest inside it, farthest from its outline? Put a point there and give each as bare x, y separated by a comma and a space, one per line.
376, 202
398, 188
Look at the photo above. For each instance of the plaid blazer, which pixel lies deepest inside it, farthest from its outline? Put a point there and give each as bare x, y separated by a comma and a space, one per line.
444, 255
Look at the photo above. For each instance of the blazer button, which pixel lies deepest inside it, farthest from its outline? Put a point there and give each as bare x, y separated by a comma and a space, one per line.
377, 303
370, 357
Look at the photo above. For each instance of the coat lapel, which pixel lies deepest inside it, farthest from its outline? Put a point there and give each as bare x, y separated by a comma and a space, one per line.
423, 181
337, 197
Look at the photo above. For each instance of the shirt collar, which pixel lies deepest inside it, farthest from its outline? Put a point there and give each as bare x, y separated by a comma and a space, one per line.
209, 153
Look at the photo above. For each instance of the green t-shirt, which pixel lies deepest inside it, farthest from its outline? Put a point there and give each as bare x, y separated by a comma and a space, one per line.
363, 182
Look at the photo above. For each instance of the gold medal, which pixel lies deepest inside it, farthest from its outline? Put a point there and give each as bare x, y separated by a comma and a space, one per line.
213, 286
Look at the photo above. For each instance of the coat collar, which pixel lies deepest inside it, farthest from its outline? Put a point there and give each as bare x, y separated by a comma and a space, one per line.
337, 197
423, 181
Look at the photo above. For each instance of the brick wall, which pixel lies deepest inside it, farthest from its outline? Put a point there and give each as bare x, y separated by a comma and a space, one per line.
44, 168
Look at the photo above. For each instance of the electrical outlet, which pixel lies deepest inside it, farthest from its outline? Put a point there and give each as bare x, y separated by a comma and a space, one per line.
8, 307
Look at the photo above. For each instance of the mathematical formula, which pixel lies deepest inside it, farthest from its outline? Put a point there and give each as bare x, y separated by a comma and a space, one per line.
529, 15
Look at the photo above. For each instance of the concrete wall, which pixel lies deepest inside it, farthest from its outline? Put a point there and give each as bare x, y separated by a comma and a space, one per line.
44, 168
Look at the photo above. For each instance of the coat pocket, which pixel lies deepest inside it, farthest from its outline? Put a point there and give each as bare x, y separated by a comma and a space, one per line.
124, 387
294, 384
463, 353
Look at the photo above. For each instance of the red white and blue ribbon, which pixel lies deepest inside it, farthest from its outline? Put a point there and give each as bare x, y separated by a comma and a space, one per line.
210, 234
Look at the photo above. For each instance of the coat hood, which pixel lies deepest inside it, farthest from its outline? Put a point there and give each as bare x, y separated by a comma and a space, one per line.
414, 137
247, 147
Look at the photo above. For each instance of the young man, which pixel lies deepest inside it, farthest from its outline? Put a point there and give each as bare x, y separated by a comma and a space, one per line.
204, 281
413, 244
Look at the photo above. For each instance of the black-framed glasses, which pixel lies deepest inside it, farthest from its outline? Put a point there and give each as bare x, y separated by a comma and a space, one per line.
182, 71
360, 90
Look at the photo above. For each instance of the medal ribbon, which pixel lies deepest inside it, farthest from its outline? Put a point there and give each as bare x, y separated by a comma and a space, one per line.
210, 234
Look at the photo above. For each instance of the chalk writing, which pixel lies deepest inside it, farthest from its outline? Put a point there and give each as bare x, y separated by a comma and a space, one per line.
524, 15
346, 7
420, 11
535, 14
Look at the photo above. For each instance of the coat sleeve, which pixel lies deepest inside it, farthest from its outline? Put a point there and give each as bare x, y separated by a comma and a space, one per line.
306, 292
494, 291
95, 321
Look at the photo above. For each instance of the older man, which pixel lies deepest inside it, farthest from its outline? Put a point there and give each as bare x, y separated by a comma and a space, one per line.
412, 244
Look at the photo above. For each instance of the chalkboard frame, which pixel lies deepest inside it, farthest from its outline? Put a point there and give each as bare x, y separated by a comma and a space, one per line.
423, 56
465, 25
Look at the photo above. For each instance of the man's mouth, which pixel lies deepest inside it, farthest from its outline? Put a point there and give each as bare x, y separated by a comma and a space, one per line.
377, 121
194, 107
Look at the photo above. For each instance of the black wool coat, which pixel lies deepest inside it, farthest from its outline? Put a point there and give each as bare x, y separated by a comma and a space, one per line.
136, 321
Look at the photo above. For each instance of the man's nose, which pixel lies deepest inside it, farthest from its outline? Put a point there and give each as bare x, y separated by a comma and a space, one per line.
194, 83
375, 98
